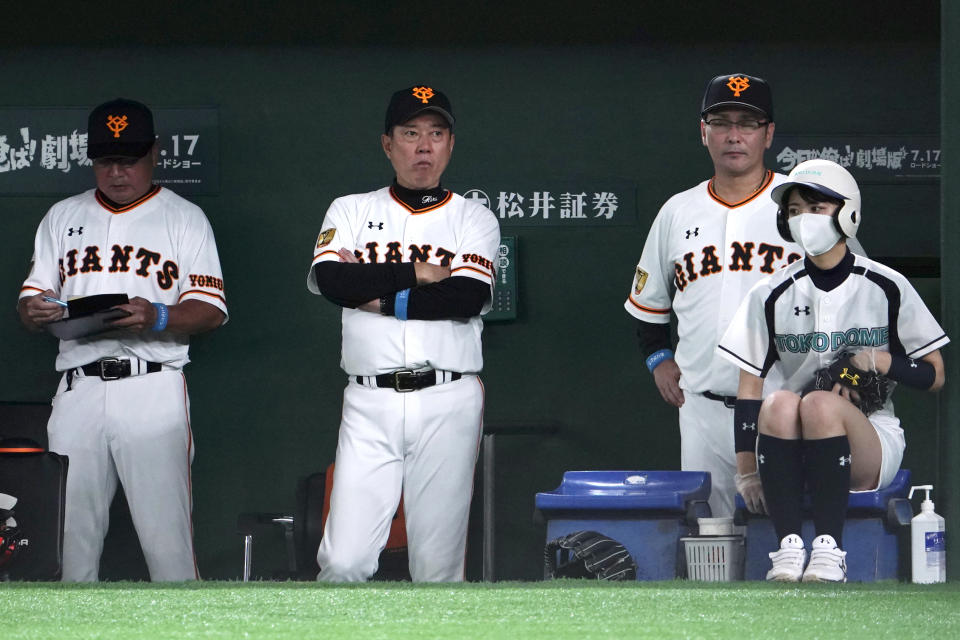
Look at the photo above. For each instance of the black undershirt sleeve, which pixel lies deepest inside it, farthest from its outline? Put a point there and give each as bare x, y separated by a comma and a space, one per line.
653, 337
454, 297
349, 284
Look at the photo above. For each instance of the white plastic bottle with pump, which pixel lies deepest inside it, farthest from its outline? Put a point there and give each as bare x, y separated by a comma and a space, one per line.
927, 544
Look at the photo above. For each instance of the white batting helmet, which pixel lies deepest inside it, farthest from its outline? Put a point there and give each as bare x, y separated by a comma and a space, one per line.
830, 179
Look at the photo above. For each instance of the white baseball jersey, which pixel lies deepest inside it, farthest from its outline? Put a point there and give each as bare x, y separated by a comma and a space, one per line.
787, 319
136, 429
459, 233
159, 247
711, 252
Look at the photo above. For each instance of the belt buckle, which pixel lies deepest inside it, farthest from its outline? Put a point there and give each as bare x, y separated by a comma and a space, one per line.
105, 365
399, 376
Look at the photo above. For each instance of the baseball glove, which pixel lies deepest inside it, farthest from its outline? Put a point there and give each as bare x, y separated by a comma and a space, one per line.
588, 554
870, 388
10, 537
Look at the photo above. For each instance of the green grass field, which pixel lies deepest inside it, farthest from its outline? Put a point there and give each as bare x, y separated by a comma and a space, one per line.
558, 610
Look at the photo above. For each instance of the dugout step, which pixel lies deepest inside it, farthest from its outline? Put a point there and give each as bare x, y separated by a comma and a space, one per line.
877, 528
646, 511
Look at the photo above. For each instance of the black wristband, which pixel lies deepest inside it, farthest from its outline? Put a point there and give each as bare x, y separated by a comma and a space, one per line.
746, 416
387, 304
918, 374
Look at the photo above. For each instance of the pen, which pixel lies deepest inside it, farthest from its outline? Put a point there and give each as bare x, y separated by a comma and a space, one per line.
59, 302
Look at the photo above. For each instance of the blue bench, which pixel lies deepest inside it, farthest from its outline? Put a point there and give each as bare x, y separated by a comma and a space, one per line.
646, 511
876, 523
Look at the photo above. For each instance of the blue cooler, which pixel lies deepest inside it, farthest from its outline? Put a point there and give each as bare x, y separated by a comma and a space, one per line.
646, 511
876, 523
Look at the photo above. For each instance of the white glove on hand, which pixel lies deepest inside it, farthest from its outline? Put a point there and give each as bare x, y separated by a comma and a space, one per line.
865, 359
750, 487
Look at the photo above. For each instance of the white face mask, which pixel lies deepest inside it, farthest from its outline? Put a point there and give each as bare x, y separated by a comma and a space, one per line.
815, 232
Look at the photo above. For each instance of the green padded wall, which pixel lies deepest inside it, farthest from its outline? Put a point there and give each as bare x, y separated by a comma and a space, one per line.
299, 125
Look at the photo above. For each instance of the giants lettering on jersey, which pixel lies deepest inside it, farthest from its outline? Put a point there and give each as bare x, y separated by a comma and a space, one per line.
708, 263
418, 253
120, 257
820, 341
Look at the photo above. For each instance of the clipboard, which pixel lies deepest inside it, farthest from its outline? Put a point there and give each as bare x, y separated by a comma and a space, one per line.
86, 325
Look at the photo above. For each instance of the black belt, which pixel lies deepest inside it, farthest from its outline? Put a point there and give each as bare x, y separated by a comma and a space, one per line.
728, 401
407, 380
114, 368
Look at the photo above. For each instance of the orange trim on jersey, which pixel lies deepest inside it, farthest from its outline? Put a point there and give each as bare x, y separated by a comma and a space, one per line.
202, 293
323, 253
483, 273
28, 288
154, 190
21, 450
648, 309
403, 204
767, 179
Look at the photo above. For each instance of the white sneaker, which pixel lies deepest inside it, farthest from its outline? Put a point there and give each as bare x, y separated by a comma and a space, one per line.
788, 562
827, 562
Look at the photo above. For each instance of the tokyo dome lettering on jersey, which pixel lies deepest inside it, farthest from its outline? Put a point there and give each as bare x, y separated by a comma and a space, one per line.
820, 341
706, 262
121, 260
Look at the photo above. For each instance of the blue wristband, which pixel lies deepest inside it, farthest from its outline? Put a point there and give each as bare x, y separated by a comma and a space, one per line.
654, 359
162, 316
400, 304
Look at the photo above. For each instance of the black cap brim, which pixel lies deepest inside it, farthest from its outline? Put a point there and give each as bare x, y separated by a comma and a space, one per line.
420, 112
720, 106
119, 149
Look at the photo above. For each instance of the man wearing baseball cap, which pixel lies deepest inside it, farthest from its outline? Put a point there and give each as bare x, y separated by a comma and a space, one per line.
412, 266
710, 244
142, 262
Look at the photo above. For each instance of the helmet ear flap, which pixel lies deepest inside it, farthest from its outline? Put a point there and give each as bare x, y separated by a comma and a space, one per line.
847, 219
839, 226
782, 225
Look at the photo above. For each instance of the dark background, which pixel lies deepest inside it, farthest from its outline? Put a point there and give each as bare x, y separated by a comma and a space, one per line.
540, 91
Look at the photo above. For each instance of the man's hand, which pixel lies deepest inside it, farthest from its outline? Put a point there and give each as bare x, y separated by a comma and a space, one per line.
667, 377
427, 273
750, 487
143, 315
35, 313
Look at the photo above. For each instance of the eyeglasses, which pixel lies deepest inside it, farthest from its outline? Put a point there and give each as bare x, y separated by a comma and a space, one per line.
123, 162
723, 125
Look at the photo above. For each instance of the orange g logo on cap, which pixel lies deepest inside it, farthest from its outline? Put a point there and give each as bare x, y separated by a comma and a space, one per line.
423, 94
116, 124
738, 84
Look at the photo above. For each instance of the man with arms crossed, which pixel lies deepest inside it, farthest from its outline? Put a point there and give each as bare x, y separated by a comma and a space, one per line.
412, 266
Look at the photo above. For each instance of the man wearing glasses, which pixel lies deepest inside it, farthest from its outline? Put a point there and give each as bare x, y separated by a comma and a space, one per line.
137, 268
706, 248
